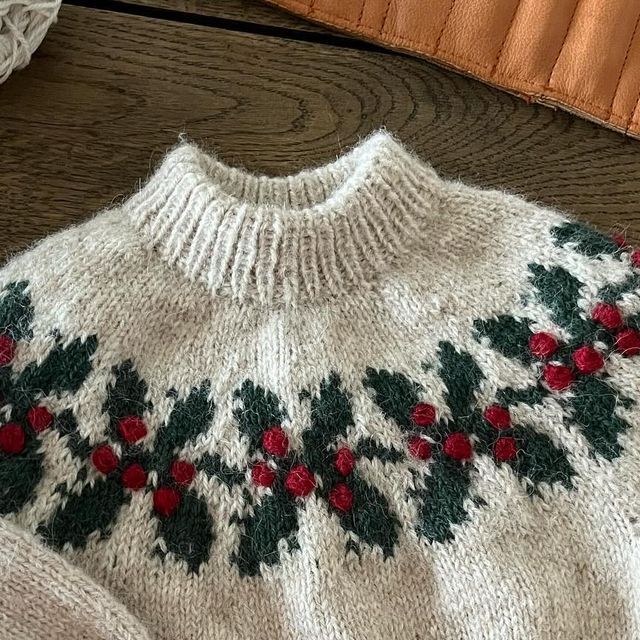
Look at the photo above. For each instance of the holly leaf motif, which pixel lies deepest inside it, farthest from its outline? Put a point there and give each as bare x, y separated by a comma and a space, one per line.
524, 395
508, 335
441, 502
19, 476
594, 406
188, 531
188, 419
273, 520
331, 416
95, 508
461, 376
259, 410
394, 393
16, 312
371, 517
64, 369
611, 293
213, 465
370, 449
584, 239
539, 460
126, 396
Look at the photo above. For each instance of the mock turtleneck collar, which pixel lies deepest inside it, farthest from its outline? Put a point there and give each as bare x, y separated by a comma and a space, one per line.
319, 233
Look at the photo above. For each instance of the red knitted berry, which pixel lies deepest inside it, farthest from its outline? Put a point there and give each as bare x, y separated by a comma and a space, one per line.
587, 359
498, 417
275, 442
423, 414
12, 438
132, 429
345, 461
40, 418
7, 350
607, 315
104, 459
635, 258
166, 500
182, 472
505, 449
341, 497
628, 342
419, 448
458, 446
262, 474
557, 376
134, 477
300, 481
620, 240
543, 345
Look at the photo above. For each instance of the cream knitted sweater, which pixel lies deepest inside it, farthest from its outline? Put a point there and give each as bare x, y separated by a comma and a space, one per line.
356, 403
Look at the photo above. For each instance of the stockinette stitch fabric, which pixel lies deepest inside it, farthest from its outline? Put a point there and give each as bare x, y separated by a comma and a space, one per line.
357, 402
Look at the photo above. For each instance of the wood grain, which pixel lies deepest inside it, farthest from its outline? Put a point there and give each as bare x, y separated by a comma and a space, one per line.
107, 94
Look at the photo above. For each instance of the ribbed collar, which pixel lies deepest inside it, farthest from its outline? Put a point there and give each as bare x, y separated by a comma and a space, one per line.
320, 233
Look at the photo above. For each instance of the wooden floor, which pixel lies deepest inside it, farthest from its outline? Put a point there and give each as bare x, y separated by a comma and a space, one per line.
112, 88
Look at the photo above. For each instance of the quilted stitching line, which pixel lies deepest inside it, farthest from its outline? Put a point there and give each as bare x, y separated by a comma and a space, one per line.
444, 26
562, 44
383, 27
506, 35
624, 64
359, 22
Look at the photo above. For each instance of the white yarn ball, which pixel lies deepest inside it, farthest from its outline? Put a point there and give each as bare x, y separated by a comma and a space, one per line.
23, 25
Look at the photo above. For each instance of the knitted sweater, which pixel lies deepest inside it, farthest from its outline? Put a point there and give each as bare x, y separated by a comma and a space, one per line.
360, 402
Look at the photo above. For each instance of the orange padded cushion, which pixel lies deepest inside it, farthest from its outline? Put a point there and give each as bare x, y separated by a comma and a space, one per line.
583, 55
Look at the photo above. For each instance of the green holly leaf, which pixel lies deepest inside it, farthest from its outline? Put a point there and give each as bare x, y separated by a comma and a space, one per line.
126, 396
371, 518
259, 410
95, 508
508, 335
213, 465
611, 293
66, 425
525, 395
64, 369
188, 419
539, 460
331, 416
16, 312
188, 531
441, 502
461, 376
559, 291
395, 394
584, 239
19, 476
274, 519
594, 411
370, 449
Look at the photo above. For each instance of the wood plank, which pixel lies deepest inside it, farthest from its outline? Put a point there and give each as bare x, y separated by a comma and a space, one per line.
249, 11
107, 94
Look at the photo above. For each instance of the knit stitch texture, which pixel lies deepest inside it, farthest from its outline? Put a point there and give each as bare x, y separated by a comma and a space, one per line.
359, 402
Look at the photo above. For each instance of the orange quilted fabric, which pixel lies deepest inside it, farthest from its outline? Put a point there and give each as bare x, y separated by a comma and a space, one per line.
583, 55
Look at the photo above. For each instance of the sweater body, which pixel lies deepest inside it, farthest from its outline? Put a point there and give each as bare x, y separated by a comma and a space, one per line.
361, 402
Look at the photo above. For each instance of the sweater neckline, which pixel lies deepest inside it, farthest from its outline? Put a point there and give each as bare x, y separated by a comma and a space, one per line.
317, 234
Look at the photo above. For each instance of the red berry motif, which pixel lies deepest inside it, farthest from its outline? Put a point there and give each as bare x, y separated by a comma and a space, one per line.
12, 438
587, 359
498, 417
132, 429
607, 315
166, 500
7, 350
423, 414
300, 481
543, 345
134, 477
262, 474
341, 497
39, 418
635, 258
628, 342
104, 459
419, 448
505, 449
182, 472
458, 446
557, 376
345, 461
620, 240
275, 442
